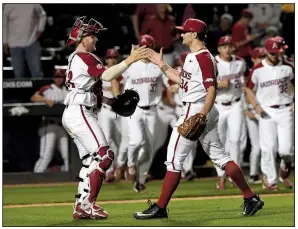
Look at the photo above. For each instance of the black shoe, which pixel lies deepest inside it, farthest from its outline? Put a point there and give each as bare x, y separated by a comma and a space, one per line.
153, 212
190, 175
138, 187
255, 179
252, 205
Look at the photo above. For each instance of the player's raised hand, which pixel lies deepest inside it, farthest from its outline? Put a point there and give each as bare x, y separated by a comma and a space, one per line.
156, 58
139, 53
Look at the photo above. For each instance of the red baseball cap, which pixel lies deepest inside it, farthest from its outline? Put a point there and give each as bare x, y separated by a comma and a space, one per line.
258, 52
282, 41
272, 45
193, 25
247, 13
112, 53
146, 40
225, 40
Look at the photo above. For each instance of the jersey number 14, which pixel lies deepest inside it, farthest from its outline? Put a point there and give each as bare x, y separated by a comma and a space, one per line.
184, 85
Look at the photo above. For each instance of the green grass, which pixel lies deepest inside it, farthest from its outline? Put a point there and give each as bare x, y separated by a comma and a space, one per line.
278, 211
117, 191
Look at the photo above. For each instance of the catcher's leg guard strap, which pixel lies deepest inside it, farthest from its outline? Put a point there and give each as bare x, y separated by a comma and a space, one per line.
101, 162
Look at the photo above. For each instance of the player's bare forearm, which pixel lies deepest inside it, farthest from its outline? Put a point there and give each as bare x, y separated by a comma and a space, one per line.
171, 73
209, 102
115, 87
223, 84
250, 96
38, 98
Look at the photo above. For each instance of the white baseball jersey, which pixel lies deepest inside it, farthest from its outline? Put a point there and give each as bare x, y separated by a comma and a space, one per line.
54, 93
83, 71
233, 71
147, 79
272, 83
198, 73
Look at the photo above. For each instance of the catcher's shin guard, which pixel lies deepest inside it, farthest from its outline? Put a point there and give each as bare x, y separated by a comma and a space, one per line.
101, 162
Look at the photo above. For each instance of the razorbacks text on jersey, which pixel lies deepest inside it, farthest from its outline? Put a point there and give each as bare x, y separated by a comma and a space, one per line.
272, 82
233, 71
198, 73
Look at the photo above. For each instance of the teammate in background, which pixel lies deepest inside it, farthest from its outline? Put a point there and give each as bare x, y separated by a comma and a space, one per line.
197, 91
85, 73
230, 80
252, 120
283, 55
107, 118
272, 80
146, 78
51, 132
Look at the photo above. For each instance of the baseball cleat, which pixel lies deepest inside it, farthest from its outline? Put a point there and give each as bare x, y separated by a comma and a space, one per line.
130, 174
138, 187
190, 175
153, 212
255, 180
287, 183
252, 205
220, 183
93, 212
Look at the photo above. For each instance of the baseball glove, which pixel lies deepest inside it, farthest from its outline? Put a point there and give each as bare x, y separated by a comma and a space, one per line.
125, 104
193, 127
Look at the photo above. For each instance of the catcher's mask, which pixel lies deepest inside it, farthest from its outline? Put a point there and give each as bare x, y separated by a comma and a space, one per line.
82, 29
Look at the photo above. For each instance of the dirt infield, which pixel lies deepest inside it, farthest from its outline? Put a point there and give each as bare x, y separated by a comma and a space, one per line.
137, 201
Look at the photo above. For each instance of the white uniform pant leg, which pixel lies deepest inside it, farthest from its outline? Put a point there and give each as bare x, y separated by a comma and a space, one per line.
255, 153
48, 136
144, 163
63, 148
106, 120
211, 142
234, 121
188, 163
82, 125
136, 135
243, 139
222, 132
285, 126
268, 142
123, 147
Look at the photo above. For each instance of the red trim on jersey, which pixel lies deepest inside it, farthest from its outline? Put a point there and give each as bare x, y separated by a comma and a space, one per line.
86, 121
207, 68
44, 88
95, 67
250, 84
176, 144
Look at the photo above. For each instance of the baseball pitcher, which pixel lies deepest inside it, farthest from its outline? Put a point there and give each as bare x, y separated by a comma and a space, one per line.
199, 120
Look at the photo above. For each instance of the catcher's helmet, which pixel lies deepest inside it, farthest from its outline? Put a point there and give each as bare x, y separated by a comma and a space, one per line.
82, 29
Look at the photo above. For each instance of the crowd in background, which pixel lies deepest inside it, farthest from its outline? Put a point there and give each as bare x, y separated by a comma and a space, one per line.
33, 31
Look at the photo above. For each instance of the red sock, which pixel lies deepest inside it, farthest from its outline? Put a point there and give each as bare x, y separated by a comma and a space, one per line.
236, 174
169, 186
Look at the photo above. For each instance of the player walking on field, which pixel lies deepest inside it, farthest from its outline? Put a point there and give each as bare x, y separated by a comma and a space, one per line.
85, 73
146, 78
197, 82
272, 80
252, 121
230, 80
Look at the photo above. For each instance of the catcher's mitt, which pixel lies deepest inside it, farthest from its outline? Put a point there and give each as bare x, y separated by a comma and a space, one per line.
125, 104
193, 127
